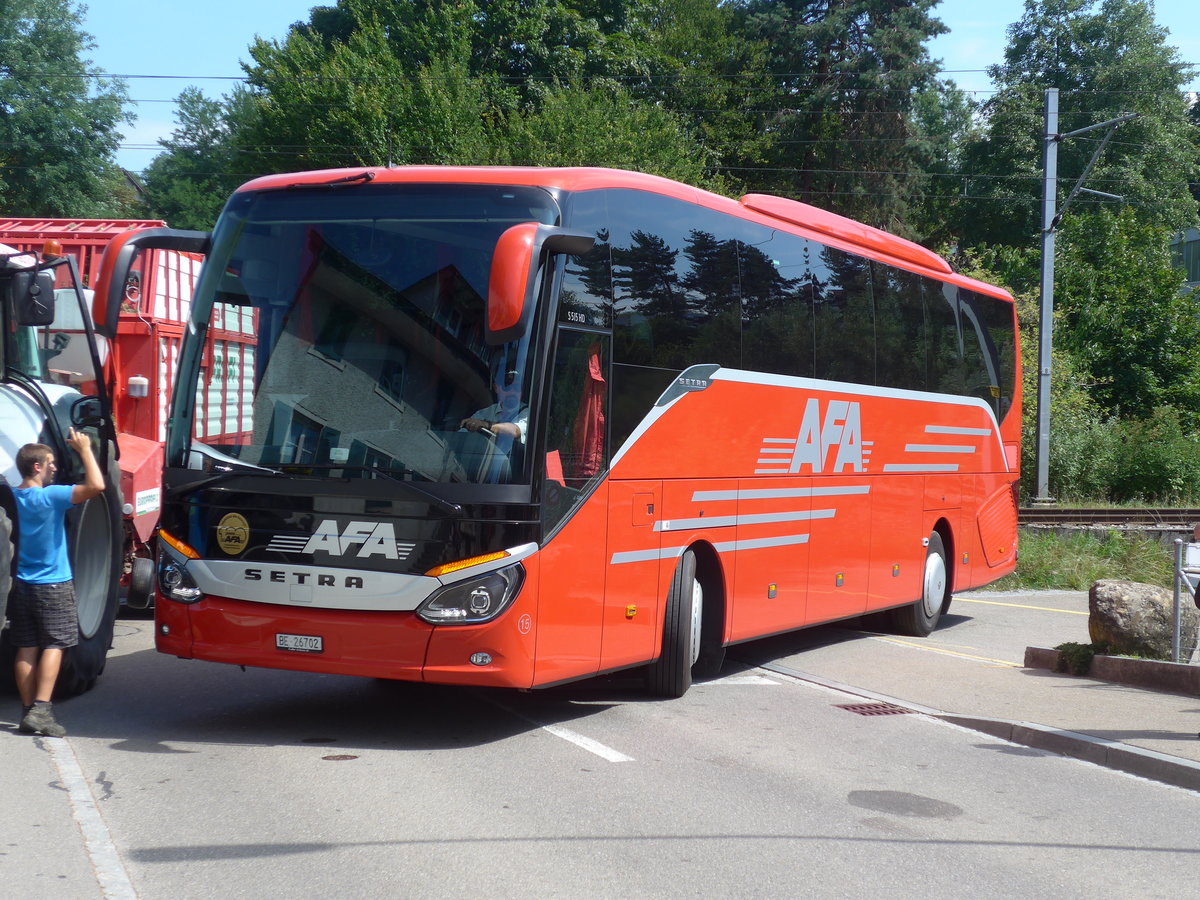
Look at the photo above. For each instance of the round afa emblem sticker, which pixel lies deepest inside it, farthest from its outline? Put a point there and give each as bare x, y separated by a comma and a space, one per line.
233, 533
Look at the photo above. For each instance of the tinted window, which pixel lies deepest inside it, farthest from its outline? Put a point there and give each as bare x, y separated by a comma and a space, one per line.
990, 347
946, 372
843, 314
900, 333
675, 284
587, 290
777, 323
576, 425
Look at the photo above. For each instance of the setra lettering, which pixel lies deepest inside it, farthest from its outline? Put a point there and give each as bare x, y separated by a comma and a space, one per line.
282, 576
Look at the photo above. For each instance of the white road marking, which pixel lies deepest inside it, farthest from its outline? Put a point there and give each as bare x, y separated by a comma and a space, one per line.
601, 750
591, 746
740, 679
110, 871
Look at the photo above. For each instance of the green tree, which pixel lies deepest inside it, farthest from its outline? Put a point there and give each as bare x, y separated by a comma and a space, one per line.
1106, 57
58, 116
603, 126
1125, 316
846, 74
325, 102
945, 120
461, 83
187, 184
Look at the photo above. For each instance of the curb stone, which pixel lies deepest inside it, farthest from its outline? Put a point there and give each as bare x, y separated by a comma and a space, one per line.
1110, 754
1179, 678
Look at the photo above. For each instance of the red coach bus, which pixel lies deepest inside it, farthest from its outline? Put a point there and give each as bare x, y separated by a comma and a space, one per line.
516, 427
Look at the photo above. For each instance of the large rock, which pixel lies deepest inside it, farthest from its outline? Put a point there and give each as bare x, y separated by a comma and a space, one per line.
1137, 619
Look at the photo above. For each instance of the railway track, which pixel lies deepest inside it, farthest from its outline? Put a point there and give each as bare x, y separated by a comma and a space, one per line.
1053, 515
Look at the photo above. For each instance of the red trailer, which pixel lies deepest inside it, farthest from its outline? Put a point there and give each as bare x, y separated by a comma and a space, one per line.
141, 366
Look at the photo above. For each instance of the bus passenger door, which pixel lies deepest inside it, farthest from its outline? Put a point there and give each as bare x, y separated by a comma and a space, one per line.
770, 567
570, 611
631, 594
839, 548
897, 547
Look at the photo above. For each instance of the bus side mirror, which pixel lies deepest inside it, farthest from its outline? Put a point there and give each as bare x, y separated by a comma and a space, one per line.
514, 275
118, 259
31, 297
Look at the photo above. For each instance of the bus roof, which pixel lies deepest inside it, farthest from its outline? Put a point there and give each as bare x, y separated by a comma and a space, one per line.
806, 220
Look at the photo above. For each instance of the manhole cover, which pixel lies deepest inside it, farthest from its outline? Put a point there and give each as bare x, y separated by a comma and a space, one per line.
340, 757
874, 709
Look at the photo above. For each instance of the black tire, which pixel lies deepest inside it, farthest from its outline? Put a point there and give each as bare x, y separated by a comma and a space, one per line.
921, 617
141, 584
95, 536
6, 562
712, 626
671, 674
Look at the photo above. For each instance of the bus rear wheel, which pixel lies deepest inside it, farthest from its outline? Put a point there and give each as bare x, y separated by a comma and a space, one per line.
920, 618
671, 674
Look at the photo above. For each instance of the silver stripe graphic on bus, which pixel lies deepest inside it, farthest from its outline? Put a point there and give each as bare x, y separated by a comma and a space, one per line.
803, 515
921, 467
951, 429
632, 556
780, 493
938, 448
787, 540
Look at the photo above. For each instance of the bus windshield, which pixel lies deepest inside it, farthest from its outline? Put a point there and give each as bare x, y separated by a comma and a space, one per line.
348, 337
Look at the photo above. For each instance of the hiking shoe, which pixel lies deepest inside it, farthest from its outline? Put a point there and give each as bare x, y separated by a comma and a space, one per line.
40, 720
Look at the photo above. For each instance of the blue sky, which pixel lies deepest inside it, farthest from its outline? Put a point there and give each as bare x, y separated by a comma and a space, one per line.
166, 46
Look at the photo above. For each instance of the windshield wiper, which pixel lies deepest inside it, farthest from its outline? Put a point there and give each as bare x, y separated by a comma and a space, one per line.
364, 177
226, 473
389, 473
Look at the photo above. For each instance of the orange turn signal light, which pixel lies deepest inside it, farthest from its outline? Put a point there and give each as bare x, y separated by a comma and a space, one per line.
447, 568
178, 545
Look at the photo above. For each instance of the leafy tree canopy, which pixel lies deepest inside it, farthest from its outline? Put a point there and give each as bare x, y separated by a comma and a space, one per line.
1107, 58
58, 116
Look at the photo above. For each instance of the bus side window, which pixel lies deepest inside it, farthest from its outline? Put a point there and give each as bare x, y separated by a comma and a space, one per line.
586, 298
777, 309
946, 372
844, 315
900, 330
577, 420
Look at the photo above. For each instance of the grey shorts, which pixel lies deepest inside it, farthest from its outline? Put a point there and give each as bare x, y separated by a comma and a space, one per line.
43, 615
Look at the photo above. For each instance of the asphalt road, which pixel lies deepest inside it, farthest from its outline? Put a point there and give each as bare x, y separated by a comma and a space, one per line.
210, 781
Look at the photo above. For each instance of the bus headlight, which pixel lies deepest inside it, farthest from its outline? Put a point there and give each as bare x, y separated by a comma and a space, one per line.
474, 600
175, 583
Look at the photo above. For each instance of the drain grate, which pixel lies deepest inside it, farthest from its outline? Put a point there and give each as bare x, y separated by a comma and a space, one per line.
874, 709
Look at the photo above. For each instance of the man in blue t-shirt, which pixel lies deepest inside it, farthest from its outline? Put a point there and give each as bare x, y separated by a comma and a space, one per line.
42, 615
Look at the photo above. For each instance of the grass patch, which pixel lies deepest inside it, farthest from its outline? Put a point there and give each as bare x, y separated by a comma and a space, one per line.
1072, 562
1076, 659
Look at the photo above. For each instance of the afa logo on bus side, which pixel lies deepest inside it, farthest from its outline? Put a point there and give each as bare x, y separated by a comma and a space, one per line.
830, 440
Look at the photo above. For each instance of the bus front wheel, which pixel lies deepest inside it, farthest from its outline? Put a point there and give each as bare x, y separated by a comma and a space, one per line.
920, 618
671, 674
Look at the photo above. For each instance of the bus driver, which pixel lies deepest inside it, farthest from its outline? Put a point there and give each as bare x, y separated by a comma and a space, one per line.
507, 416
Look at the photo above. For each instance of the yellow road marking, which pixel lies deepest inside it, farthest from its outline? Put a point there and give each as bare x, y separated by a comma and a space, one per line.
986, 659
1074, 612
